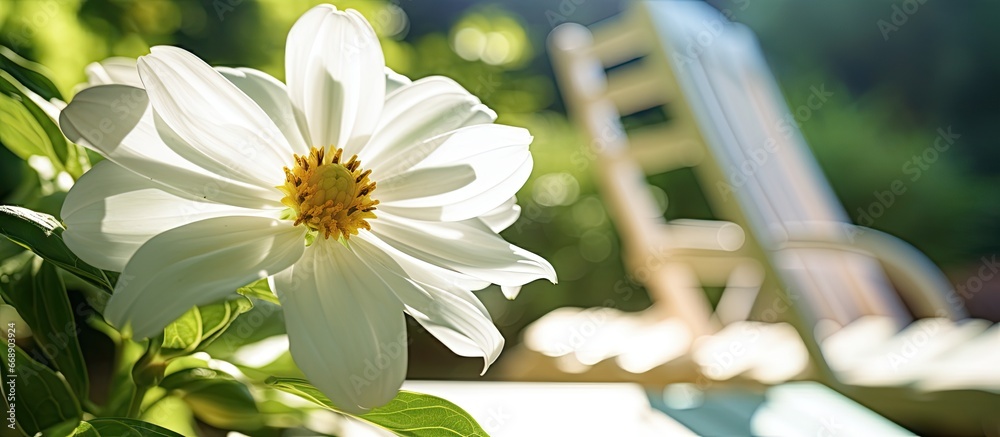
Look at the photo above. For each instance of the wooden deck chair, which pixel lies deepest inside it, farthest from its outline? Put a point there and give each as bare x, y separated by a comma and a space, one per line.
875, 315
674, 260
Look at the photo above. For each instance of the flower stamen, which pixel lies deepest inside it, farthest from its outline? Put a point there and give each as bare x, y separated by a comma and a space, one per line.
329, 196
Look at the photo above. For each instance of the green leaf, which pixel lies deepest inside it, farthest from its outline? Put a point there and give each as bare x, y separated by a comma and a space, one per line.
42, 234
85, 430
217, 318
184, 333
130, 352
22, 133
216, 398
42, 400
27, 130
260, 290
171, 413
282, 367
408, 414
64, 428
262, 321
40, 298
121, 427
200, 326
34, 76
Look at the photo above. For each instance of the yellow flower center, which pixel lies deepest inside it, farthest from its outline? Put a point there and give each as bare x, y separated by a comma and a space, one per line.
329, 196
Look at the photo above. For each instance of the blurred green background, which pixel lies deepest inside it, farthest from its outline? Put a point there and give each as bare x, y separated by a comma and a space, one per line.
893, 88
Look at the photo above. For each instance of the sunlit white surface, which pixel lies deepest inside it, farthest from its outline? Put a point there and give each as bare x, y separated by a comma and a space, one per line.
550, 409
262, 352
605, 342
654, 345
579, 339
971, 365
932, 353
769, 352
811, 409
563, 330
849, 346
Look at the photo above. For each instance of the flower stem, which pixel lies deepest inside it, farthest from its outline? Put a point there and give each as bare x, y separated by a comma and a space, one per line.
147, 373
136, 403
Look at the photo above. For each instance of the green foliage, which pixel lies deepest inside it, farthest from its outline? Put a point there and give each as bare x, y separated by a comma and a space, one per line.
21, 133
32, 75
42, 234
172, 413
40, 298
259, 290
215, 398
27, 130
200, 326
42, 400
283, 367
409, 414
121, 427
942, 192
264, 320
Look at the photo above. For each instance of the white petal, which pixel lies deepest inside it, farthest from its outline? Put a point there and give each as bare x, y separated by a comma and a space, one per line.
111, 212
121, 71
269, 93
272, 96
510, 292
299, 56
468, 247
500, 158
465, 327
394, 81
336, 77
196, 264
211, 122
345, 327
116, 121
427, 273
425, 182
415, 113
503, 216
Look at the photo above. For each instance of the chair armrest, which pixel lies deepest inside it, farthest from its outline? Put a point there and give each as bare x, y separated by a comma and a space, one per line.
920, 283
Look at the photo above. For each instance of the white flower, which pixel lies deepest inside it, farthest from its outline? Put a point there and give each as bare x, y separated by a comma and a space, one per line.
360, 194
